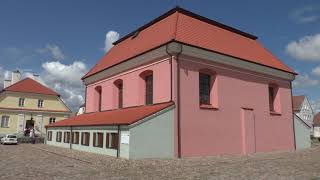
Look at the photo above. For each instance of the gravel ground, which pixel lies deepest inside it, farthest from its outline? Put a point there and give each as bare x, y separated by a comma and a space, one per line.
26, 161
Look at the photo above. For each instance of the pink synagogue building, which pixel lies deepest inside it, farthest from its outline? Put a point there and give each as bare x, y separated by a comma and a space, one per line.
183, 85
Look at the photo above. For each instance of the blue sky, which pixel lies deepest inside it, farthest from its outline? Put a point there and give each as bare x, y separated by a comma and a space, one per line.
59, 39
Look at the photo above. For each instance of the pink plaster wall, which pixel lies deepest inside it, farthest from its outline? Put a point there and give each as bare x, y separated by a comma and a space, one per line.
211, 132
133, 86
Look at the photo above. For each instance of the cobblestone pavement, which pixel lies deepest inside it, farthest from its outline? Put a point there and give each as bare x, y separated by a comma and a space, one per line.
26, 161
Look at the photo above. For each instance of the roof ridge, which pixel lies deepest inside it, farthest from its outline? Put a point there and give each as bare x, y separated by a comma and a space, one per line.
33, 81
190, 14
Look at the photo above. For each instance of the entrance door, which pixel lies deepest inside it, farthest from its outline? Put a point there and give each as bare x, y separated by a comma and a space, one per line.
248, 131
29, 124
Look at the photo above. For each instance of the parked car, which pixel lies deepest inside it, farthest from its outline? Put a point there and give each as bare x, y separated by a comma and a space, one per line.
9, 139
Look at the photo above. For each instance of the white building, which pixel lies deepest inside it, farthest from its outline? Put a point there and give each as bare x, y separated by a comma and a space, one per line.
302, 108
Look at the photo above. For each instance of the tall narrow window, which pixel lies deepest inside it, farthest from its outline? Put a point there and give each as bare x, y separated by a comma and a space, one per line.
120, 95
149, 89
204, 88
274, 99
271, 98
98, 97
5, 121
21, 102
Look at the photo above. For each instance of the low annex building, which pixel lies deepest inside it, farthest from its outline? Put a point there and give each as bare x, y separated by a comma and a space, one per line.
181, 86
27, 104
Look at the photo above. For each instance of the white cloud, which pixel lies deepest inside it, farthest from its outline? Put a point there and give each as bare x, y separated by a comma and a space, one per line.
66, 80
315, 104
111, 37
54, 50
306, 14
63, 78
316, 71
306, 48
304, 80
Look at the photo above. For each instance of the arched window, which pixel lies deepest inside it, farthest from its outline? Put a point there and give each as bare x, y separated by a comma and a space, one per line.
119, 87
98, 96
147, 77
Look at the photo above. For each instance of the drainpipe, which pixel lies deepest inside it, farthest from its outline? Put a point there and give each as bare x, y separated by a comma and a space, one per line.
45, 141
71, 138
171, 71
294, 131
177, 52
118, 149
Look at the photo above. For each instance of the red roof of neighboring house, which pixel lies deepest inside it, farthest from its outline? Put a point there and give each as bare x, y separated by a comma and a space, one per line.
29, 85
186, 27
123, 116
297, 101
316, 119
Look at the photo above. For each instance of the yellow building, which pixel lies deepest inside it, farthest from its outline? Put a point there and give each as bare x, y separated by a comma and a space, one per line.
27, 104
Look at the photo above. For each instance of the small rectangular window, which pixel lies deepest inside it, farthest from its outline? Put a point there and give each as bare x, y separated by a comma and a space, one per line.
66, 137
40, 103
49, 136
21, 102
58, 136
98, 140
204, 88
149, 89
85, 138
5, 122
75, 137
112, 140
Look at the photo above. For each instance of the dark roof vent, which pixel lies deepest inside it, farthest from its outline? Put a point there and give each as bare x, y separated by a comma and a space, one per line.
135, 34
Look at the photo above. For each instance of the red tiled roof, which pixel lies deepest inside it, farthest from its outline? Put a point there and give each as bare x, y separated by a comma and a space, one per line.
297, 101
189, 28
123, 116
29, 85
316, 119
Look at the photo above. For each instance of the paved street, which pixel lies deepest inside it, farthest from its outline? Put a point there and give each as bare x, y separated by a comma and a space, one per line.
26, 161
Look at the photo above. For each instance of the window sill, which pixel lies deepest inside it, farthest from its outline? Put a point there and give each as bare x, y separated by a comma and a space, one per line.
208, 106
273, 113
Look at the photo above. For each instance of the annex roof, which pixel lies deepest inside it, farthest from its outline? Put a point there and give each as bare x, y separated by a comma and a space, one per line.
29, 85
124, 116
191, 29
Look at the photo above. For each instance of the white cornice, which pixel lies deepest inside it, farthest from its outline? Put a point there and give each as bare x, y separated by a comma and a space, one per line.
175, 48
